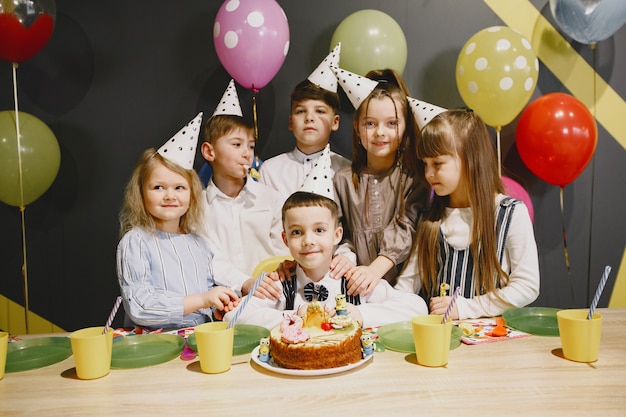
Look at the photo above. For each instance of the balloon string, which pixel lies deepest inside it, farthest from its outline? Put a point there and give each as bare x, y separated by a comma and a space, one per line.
498, 128
593, 49
17, 130
593, 171
22, 207
565, 251
254, 116
25, 269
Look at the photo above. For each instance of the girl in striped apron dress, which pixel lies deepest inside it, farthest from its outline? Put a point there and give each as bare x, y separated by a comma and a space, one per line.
472, 236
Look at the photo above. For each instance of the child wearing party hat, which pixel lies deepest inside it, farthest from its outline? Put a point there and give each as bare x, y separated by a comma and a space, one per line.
242, 215
472, 236
314, 116
377, 195
311, 232
163, 260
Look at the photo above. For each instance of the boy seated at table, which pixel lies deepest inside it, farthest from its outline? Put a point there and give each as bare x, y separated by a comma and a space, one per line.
311, 230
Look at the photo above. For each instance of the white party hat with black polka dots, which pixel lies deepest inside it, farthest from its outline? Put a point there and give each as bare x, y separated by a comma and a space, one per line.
320, 179
356, 87
423, 111
322, 76
229, 104
181, 148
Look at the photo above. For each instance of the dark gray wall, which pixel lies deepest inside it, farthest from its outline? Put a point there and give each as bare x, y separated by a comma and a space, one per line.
121, 76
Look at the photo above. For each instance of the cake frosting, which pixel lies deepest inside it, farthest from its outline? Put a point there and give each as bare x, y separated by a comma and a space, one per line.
316, 340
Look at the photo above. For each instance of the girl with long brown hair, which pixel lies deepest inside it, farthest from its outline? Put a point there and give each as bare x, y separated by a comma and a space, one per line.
377, 196
472, 236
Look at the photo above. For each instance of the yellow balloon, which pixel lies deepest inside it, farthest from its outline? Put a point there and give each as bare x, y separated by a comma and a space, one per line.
496, 74
40, 158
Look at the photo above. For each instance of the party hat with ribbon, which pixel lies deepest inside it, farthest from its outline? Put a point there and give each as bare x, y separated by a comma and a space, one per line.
181, 148
320, 179
423, 111
356, 87
322, 76
229, 104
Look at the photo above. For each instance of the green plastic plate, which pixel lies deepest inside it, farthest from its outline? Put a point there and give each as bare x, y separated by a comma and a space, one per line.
399, 337
540, 321
247, 337
138, 351
36, 353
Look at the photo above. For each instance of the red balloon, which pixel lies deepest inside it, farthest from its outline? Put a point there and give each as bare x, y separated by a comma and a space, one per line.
556, 137
20, 41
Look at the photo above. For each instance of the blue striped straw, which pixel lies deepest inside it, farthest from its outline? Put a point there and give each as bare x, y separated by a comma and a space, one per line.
245, 300
596, 298
457, 291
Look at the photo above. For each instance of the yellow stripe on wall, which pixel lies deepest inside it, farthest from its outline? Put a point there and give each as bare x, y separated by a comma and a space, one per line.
13, 320
578, 76
565, 63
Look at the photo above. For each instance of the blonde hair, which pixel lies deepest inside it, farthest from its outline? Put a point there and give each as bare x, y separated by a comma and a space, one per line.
463, 134
134, 213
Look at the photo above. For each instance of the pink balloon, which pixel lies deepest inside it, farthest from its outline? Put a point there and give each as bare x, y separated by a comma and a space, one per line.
515, 190
251, 40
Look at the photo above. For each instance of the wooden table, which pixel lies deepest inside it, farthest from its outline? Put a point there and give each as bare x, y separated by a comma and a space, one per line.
526, 377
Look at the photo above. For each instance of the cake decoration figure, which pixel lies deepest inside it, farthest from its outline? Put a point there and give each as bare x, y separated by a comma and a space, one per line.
368, 344
291, 329
264, 349
443, 288
341, 307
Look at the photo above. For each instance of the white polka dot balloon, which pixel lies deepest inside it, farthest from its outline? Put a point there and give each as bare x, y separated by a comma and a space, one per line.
496, 74
251, 40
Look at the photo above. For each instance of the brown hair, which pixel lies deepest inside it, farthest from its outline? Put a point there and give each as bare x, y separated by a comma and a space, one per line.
306, 199
217, 126
392, 86
306, 90
134, 213
464, 134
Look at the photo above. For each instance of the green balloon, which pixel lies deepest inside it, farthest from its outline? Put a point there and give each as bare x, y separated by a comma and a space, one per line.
370, 39
40, 158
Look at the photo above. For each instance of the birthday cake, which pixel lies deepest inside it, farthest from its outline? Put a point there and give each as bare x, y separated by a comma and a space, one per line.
316, 341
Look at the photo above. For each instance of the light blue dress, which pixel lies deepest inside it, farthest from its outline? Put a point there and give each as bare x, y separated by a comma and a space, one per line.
156, 270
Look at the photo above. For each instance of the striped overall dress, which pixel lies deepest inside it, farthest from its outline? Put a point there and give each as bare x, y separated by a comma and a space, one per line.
457, 265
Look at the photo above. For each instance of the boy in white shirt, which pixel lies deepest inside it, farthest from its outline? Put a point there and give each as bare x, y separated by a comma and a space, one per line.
311, 231
314, 116
242, 216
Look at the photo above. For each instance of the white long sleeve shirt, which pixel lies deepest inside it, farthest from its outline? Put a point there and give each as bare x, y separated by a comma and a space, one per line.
384, 305
243, 230
520, 260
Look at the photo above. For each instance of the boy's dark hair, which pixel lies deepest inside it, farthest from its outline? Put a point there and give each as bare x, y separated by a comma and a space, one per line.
218, 126
306, 90
306, 199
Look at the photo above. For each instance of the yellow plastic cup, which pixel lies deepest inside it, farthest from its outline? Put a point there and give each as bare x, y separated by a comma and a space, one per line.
215, 346
580, 338
432, 340
92, 352
4, 345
